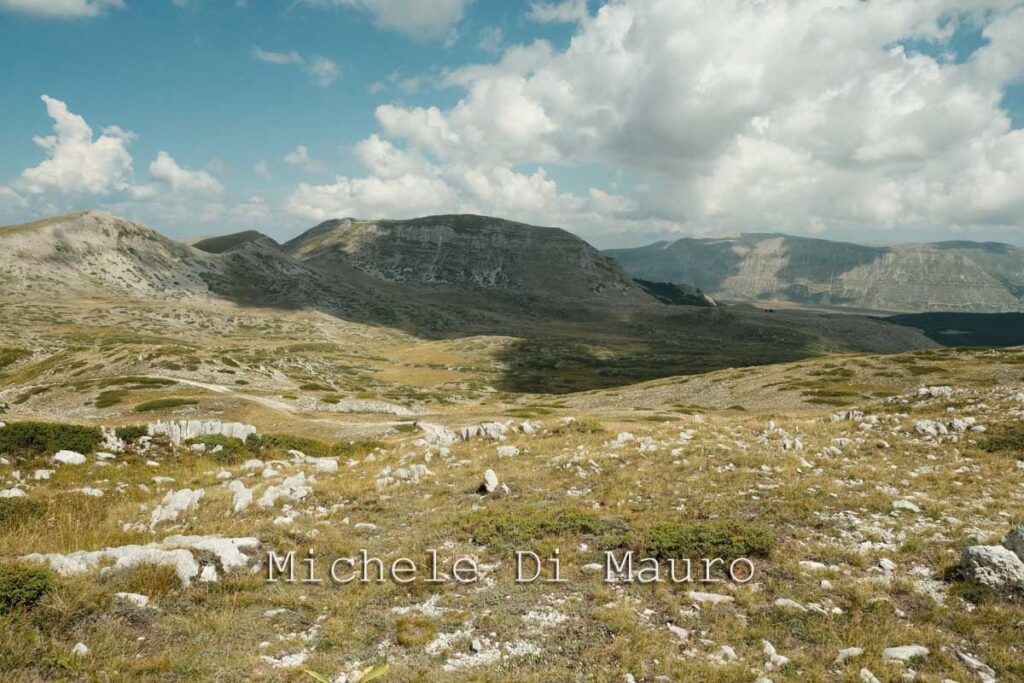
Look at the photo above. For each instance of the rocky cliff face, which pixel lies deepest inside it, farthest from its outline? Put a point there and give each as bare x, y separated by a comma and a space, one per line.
947, 276
463, 252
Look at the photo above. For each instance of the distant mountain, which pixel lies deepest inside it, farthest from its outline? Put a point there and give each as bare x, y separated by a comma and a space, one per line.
944, 276
222, 243
468, 253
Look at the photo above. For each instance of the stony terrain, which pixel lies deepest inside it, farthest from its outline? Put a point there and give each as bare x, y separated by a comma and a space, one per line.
872, 478
945, 276
855, 519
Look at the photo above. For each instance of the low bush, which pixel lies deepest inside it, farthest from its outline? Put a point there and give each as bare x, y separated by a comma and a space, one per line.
22, 586
1006, 438
164, 403
517, 527
231, 450
130, 433
313, 447
725, 539
33, 439
111, 397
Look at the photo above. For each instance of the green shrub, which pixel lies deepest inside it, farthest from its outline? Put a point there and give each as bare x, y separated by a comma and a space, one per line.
231, 451
725, 539
130, 433
314, 448
584, 425
516, 527
111, 397
163, 403
31, 439
314, 386
18, 511
137, 382
1006, 438
22, 586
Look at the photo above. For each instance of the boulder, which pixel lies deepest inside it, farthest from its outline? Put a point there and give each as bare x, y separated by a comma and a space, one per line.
993, 566
490, 484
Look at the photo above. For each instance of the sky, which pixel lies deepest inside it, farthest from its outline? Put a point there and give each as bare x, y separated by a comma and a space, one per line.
623, 121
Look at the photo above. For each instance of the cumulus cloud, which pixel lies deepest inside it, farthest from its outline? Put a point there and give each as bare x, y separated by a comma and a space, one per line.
404, 183
300, 157
417, 19
166, 171
60, 9
77, 163
800, 116
321, 70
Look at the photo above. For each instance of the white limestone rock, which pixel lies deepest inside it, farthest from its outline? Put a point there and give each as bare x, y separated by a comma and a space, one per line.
904, 653
69, 458
174, 504
993, 566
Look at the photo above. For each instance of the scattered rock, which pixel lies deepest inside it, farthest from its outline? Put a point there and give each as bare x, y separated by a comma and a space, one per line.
867, 677
242, 497
174, 504
490, 484
848, 653
134, 598
507, 451
903, 653
985, 672
993, 566
69, 458
80, 650
710, 598
905, 505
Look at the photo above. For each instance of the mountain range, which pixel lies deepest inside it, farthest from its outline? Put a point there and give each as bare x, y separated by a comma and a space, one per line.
944, 276
573, 317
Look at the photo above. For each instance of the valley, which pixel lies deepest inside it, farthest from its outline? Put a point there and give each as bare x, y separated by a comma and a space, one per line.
320, 395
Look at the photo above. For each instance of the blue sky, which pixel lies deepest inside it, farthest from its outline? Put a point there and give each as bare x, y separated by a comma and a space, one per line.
625, 122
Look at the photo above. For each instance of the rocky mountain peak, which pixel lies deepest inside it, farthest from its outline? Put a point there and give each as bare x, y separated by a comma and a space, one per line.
467, 252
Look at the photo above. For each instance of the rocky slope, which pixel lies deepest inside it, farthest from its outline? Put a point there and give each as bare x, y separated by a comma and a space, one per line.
945, 276
468, 253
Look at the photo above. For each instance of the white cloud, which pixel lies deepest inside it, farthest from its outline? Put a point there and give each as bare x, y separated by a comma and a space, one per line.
77, 163
61, 9
567, 11
321, 70
166, 171
735, 116
402, 183
417, 19
262, 170
300, 157
271, 57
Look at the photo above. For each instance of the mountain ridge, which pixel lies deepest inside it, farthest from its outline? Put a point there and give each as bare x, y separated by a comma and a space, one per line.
955, 275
